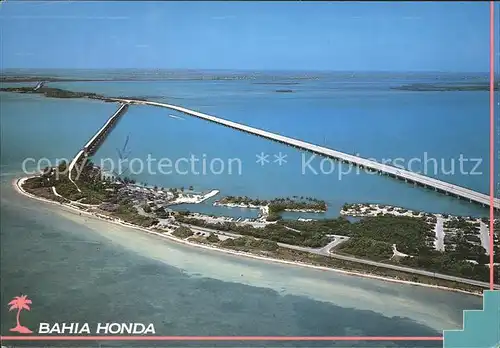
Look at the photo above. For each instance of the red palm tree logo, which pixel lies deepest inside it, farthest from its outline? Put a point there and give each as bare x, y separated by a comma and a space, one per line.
20, 303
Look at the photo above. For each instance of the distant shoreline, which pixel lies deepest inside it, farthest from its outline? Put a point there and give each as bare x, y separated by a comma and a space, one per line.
429, 87
286, 81
20, 181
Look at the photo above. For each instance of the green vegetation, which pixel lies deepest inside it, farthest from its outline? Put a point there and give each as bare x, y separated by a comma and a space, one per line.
460, 248
128, 213
449, 263
249, 244
12, 78
273, 217
147, 208
339, 226
92, 186
35, 186
182, 232
279, 205
161, 214
356, 207
411, 235
463, 257
54, 92
365, 209
271, 249
496, 241
370, 238
366, 248
94, 191
275, 232
213, 238
463, 225
445, 87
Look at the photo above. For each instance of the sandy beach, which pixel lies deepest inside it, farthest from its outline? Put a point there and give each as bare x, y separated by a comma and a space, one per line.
76, 210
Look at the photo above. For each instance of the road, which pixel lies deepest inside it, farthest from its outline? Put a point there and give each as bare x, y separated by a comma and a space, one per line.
439, 233
325, 251
484, 236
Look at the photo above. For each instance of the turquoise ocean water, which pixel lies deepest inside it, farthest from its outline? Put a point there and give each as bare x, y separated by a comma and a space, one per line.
75, 269
355, 115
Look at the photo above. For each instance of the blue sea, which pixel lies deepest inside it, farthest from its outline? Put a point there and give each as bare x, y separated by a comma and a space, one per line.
77, 269
427, 132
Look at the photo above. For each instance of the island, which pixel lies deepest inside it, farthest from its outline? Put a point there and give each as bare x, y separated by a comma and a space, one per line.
429, 87
332, 243
51, 92
391, 243
272, 209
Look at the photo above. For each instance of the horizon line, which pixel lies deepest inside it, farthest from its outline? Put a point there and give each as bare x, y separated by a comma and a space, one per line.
487, 72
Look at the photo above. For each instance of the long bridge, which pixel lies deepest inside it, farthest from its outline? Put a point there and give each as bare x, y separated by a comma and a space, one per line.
398, 173
93, 144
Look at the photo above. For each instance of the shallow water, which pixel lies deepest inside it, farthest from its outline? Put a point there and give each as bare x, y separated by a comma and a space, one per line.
76, 269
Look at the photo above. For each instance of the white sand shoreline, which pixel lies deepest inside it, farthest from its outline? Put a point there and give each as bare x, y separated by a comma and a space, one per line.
71, 208
186, 198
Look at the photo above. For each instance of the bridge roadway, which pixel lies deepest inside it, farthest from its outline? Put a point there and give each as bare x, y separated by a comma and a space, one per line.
402, 174
93, 144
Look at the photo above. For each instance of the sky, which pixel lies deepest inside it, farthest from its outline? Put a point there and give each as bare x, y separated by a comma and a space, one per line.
335, 36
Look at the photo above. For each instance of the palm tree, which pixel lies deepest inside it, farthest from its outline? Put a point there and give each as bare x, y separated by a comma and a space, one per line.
20, 303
